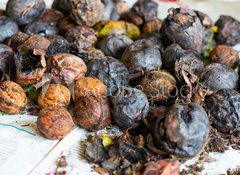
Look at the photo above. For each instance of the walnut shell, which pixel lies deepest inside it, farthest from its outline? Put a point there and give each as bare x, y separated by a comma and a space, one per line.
82, 36
54, 94
12, 97
89, 86
93, 113
158, 85
54, 123
30, 60
87, 12
66, 68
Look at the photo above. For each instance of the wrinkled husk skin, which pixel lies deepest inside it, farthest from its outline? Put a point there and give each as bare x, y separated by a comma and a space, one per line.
93, 113
89, 86
54, 94
87, 12
54, 123
66, 68
184, 28
183, 131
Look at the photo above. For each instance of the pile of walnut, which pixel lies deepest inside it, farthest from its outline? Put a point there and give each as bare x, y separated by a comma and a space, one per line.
168, 84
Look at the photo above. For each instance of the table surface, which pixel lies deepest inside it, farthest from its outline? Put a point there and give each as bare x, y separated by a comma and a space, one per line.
25, 151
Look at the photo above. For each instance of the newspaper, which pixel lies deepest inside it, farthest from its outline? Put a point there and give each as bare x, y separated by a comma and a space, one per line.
23, 146
23, 150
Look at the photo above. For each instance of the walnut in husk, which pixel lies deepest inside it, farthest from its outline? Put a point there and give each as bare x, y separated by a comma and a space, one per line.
158, 85
183, 27
82, 36
7, 66
105, 28
225, 55
183, 131
89, 86
93, 53
25, 12
141, 12
58, 45
8, 27
114, 45
110, 71
228, 30
92, 112
223, 106
54, 123
188, 67
30, 60
142, 55
54, 95
170, 55
13, 99
86, 12
130, 107
217, 76
66, 68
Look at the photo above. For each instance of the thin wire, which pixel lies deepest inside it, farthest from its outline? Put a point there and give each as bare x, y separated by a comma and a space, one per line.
15, 127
